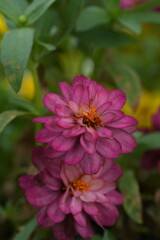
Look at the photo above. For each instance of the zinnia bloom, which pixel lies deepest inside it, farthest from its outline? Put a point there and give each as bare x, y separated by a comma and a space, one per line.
151, 158
89, 123
69, 199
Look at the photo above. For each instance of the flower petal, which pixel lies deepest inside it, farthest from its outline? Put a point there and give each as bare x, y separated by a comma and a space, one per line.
55, 213
40, 196
88, 146
63, 144
63, 111
51, 100
75, 155
91, 163
85, 232
124, 122
43, 219
115, 197
127, 142
88, 196
118, 99
104, 132
65, 123
44, 136
80, 219
26, 181
96, 184
90, 208
75, 131
109, 148
66, 89
75, 205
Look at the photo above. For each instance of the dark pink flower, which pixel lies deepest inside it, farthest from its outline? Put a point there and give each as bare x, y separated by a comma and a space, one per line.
151, 158
128, 4
69, 199
89, 124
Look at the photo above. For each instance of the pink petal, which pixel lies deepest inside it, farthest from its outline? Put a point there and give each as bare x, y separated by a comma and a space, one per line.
75, 155
86, 178
51, 153
64, 230
72, 173
104, 132
26, 181
107, 117
88, 196
65, 201
115, 197
66, 89
85, 232
103, 108
96, 184
51, 100
107, 214
65, 122
44, 136
43, 219
88, 146
108, 148
62, 144
90, 208
51, 126
127, 142
78, 94
55, 213
75, 131
38, 157
40, 196
114, 173
52, 183
91, 163
118, 99
81, 219
74, 107
63, 111
124, 122
43, 119
75, 205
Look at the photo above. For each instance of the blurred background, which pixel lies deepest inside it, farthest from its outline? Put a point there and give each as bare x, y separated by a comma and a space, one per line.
115, 43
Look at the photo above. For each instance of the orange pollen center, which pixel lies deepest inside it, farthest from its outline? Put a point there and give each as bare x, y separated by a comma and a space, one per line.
79, 185
91, 118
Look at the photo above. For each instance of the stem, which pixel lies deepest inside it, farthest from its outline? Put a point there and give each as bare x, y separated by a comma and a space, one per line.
37, 87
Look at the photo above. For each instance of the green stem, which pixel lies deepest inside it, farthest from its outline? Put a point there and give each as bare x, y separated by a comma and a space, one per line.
37, 87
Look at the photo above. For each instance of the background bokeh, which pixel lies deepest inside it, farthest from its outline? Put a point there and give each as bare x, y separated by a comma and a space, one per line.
45, 42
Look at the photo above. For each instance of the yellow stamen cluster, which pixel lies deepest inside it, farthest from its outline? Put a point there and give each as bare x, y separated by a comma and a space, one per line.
91, 118
79, 185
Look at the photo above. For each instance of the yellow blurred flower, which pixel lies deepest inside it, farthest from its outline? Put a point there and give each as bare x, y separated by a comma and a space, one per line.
3, 26
28, 87
149, 104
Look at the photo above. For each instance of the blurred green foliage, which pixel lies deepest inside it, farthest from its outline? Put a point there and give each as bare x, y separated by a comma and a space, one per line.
57, 40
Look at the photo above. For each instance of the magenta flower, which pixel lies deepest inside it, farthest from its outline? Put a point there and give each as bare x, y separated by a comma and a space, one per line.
127, 4
89, 124
151, 158
69, 199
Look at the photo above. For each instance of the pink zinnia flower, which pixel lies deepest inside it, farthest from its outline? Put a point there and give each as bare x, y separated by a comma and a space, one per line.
89, 124
69, 199
127, 4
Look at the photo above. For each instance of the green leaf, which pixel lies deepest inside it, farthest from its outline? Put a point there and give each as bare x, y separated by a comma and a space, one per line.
111, 6
8, 116
108, 235
69, 18
150, 141
139, 17
48, 46
36, 9
27, 230
24, 105
12, 9
103, 37
96, 237
128, 80
129, 187
15, 51
147, 5
91, 17
131, 25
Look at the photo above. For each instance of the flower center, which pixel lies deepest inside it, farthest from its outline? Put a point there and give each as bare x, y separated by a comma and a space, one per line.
91, 118
79, 185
